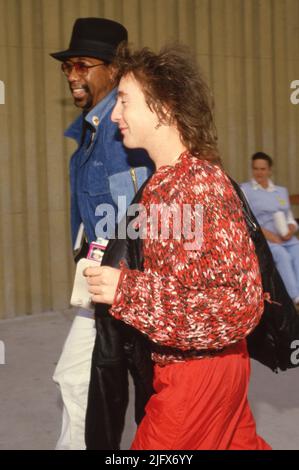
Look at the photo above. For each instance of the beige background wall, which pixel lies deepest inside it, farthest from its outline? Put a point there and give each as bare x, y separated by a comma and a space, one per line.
249, 52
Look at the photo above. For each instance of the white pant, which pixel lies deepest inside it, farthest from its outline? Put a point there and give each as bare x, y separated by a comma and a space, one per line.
72, 375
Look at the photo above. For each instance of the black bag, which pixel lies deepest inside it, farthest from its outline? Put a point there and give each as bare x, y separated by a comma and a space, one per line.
275, 340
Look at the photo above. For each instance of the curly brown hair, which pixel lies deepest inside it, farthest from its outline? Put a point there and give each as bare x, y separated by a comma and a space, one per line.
174, 88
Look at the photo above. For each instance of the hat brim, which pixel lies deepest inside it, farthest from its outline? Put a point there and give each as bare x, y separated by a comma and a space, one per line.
69, 53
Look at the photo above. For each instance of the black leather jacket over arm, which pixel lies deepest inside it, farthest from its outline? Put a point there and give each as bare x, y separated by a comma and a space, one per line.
118, 348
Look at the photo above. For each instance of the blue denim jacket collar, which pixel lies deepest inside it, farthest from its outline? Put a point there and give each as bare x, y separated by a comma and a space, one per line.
94, 117
100, 169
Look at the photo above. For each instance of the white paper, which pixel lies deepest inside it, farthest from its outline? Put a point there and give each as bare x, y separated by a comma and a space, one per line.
80, 295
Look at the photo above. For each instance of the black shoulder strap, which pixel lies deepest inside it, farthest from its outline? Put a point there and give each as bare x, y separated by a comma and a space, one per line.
251, 221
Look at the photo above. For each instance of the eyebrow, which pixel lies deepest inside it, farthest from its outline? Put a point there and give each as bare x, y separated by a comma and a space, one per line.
121, 93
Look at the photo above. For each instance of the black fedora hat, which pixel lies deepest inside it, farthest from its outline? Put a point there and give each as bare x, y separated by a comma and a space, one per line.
94, 37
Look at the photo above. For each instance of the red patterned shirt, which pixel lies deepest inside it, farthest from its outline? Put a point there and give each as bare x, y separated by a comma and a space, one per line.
203, 298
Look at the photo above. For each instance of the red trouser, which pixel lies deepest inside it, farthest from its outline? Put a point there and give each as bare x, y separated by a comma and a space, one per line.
201, 404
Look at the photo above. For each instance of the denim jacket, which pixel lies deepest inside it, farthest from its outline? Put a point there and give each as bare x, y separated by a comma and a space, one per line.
100, 169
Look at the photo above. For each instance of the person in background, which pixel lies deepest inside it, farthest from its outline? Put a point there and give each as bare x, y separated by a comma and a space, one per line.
271, 206
101, 170
200, 293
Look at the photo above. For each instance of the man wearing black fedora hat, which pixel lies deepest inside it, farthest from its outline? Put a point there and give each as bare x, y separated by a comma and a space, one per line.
101, 171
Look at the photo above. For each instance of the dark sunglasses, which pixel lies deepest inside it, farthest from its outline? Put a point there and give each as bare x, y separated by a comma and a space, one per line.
80, 67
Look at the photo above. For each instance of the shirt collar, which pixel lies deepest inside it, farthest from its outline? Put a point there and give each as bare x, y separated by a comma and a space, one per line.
94, 117
256, 185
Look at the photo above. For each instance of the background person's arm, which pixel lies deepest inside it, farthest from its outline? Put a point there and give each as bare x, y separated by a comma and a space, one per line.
271, 237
